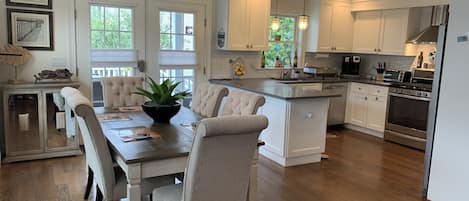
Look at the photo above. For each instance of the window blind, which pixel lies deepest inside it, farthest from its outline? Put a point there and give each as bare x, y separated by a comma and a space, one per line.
113, 57
177, 59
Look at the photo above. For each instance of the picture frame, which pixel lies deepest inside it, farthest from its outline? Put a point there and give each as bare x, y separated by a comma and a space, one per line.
33, 30
44, 4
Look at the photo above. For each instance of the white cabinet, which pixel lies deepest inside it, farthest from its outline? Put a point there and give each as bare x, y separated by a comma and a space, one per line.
366, 32
376, 111
366, 106
358, 110
331, 27
245, 23
385, 32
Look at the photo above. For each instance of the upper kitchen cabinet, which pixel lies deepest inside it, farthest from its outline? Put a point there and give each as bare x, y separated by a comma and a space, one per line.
243, 24
385, 32
331, 27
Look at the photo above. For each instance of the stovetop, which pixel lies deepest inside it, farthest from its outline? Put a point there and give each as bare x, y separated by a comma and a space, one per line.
412, 86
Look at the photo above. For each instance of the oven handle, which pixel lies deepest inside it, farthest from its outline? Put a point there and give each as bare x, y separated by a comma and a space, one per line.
410, 97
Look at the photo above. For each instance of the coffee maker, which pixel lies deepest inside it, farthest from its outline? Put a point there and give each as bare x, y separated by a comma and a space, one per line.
351, 66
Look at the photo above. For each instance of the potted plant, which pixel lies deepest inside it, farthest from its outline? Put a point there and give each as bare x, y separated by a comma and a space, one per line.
163, 102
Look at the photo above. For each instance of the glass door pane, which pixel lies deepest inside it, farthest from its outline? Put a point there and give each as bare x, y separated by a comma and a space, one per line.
23, 128
60, 130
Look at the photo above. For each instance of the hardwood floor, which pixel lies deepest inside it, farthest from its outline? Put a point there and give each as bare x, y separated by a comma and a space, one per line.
359, 168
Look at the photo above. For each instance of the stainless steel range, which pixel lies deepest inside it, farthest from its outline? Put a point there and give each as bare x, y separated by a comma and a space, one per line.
408, 109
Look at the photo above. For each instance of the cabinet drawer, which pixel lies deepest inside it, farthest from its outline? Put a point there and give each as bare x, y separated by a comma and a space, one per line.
378, 90
359, 88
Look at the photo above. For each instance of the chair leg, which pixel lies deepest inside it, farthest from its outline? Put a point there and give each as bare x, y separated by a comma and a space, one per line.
99, 194
89, 183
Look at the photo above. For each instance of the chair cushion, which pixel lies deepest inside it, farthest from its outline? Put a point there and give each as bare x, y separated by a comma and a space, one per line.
168, 193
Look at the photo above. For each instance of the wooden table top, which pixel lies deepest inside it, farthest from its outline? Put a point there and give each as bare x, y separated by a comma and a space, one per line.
175, 141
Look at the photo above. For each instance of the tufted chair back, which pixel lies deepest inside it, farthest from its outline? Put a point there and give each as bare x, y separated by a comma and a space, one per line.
118, 91
242, 103
220, 159
207, 99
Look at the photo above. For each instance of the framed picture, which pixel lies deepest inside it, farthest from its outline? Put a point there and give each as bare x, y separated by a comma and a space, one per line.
33, 30
46, 4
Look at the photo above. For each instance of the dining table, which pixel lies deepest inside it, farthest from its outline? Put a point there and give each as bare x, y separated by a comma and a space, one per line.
166, 154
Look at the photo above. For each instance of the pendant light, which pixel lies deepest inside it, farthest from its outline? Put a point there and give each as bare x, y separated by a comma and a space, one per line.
303, 20
276, 19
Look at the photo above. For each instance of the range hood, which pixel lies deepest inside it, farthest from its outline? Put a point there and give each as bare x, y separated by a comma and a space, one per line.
430, 34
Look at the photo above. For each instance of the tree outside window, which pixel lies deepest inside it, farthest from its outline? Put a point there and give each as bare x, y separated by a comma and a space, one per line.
111, 27
285, 47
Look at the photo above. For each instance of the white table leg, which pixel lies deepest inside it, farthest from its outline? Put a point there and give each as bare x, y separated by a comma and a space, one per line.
134, 179
252, 190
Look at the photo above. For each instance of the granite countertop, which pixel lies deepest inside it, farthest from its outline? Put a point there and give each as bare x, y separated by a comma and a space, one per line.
337, 80
276, 89
292, 89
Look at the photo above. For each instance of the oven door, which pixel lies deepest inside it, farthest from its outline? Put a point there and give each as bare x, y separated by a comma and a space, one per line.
408, 115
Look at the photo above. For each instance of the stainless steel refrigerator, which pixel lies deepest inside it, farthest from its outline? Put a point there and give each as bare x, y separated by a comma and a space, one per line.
439, 65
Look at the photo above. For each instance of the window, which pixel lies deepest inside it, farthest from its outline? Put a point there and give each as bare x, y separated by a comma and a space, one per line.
112, 45
111, 27
177, 48
283, 47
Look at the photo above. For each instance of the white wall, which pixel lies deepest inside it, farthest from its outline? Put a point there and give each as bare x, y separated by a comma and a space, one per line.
64, 43
449, 176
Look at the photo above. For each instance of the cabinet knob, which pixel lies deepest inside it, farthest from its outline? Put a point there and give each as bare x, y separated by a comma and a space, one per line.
247, 46
366, 98
376, 50
377, 98
251, 46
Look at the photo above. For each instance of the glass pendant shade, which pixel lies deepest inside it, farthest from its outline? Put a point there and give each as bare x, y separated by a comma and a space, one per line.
303, 21
275, 23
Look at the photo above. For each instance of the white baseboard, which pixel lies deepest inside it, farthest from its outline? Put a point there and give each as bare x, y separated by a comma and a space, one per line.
290, 161
365, 130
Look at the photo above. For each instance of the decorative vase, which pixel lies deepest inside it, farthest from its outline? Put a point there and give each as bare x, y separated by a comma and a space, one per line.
161, 113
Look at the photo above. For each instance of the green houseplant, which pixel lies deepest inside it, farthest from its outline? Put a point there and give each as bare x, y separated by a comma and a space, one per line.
163, 101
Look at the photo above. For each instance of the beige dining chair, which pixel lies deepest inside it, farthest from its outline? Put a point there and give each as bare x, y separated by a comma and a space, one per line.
207, 99
118, 91
110, 185
242, 103
219, 162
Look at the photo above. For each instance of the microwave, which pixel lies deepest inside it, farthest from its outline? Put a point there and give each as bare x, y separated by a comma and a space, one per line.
392, 76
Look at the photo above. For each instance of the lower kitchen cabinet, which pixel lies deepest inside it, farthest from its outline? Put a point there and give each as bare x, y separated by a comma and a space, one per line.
366, 108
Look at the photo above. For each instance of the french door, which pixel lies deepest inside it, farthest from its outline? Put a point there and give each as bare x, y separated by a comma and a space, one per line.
176, 42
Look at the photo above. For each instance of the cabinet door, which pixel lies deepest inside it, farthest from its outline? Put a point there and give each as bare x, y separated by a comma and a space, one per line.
23, 127
342, 29
325, 28
259, 14
238, 27
394, 31
376, 113
358, 110
366, 33
59, 125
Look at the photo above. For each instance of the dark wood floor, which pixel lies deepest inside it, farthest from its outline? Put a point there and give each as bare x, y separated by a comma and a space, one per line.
360, 168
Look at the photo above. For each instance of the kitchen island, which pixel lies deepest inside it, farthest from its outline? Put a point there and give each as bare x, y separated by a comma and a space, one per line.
297, 116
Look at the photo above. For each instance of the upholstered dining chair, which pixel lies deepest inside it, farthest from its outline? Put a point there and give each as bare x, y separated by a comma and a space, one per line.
110, 184
242, 103
207, 99
219, 162
118, 91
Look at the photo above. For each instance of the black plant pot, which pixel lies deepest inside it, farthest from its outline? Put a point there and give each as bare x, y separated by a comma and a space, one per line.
161, 113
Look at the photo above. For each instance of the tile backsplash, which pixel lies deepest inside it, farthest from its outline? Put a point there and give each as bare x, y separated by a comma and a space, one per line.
221, 68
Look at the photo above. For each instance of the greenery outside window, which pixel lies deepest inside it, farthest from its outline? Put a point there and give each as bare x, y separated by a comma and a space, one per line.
112, 45
111, 27
285, 47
